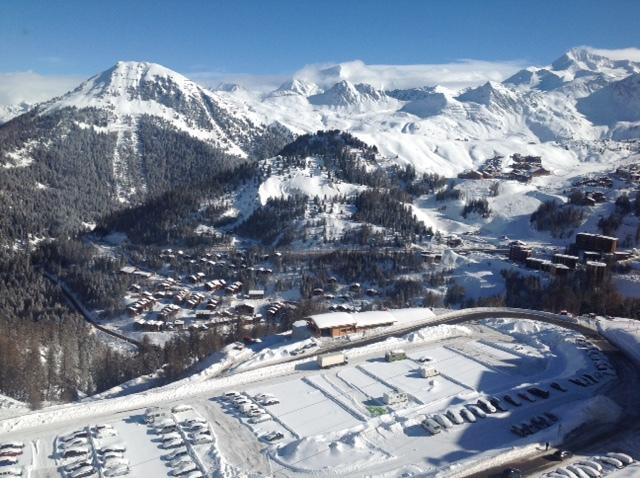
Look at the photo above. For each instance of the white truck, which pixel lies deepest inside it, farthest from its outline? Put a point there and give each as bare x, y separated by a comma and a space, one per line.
332, 360
394, 398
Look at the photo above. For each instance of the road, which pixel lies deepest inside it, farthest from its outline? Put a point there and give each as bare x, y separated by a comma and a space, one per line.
82, 310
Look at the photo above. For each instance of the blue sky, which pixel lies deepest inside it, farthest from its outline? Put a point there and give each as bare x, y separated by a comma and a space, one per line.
47, 46
280, 36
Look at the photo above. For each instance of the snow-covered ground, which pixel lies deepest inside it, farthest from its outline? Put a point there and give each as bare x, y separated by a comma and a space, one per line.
335, 421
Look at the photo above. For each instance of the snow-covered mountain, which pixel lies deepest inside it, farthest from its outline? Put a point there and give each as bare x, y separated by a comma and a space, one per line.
539, 110
345, 94
148, 128
130, 132
8, 112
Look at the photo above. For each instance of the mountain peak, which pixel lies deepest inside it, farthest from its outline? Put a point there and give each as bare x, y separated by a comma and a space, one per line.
296, 86
345, 93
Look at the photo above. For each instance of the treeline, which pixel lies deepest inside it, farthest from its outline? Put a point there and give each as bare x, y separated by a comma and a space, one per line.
383, 208
172, 216
577, 293
477, 206
330, 143
559, 219
274, 219
93, 277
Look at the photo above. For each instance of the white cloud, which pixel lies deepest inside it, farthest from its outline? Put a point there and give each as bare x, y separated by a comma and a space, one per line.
30, 87
454, 75
631, 54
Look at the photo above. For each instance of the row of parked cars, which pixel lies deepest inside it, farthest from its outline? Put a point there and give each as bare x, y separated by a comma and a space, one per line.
600, 362
535, 424
592, 467
171, 436
10, 453
252, 407
486, 406
85, 457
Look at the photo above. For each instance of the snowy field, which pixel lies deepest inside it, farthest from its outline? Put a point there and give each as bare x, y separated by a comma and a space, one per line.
304, 421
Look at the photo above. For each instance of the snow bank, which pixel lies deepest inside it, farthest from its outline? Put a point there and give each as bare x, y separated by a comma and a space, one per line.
624, 334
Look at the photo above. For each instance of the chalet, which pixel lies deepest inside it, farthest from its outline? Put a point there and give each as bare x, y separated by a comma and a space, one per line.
168, 311
337, 324
127, 270
215, 284
275, 309
233, 288
318, 291
355, 287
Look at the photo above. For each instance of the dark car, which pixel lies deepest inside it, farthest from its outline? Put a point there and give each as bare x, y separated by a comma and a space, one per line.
511, 473
538, 392
562, 455
498, 404
558, 387
553, 418
509, 399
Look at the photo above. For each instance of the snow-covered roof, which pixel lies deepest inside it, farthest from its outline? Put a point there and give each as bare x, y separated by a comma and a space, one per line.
373, 318
333, 319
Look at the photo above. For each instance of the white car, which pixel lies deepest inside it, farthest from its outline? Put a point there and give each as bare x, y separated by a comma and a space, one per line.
623, 457
443, 421
175, 443
477, 411
182, 408
468, 415
201, 439
83, 472
431, 426
121, 470
184, 469
260, 418
176, 453
455, 416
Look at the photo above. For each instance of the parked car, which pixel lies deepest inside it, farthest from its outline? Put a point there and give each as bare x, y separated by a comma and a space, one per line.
495, 401
443, 421
260, 418
557, 386
273, 436
468, 415
455, 416
117, 471
431, 426
512, 401
477, 411
176, 453
562, 455
486, 405
538, 392
175, 443
623, 457
181, 408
